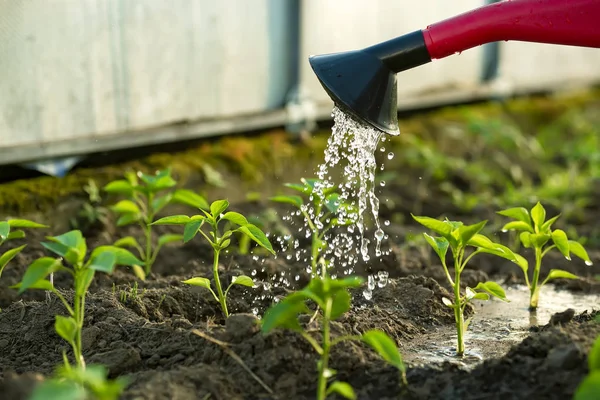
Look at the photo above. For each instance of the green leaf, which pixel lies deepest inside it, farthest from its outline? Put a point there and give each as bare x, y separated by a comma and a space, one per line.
4, 230
285, 313
172, 220
38, 270
560, 239
538, 215
139, 272
225, 243
343, 389
189, 198
548, 224
200, 282
191, 230
539, 240
18, 234
236, 218
119, 186
487, 246
332, 202
70, 245
254, 233
123, 256
294, 200
559, 274
128, 241
493, 289
577, 249
126, 207
24, 223
84, 280
66, 327
466, 232
128, 219
160, 202
217, 207
103, 261
8, 256
58, 390
517, 226
242, 280
41, 284
589, 388
518, 213
594, 356
525, 238
440, 227
169, 238
304, 188
340, 304
385, 347
440, 245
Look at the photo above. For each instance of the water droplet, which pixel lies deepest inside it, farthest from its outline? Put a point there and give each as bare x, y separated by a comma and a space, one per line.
383, 278
386, 222
379, 234
589, 263
390, 155
368, 294
371, 282
382, 183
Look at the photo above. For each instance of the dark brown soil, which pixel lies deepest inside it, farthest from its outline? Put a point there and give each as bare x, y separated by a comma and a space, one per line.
147, 333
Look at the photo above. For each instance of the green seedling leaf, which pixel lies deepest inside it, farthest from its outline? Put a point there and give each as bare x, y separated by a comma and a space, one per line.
126, 207
120, 187
538, 215
440, 227
294, 200
38, 270
69, 254
128, 241
439, 245
225, 243
493, 289
300, 188
18, 234
332, 202
123, 256
539, 239
469, 293
385, 347
285, 314
128, 219
548, 224
139, 272
191, 230
160, 202
517, 226
577, 249
518, 213
24, 223
66, 327
525, 238
242, 280
589, 388
594, 356
217, 207
58, 390
560, 239
447, 302
559, 274
84, 280
103, 261
169, 238
343, 389
236, 218
200, 282
4, 230
8, 256
257, 235
466, 232
485, 245
340, 304
189, 198
41, 284
172, 220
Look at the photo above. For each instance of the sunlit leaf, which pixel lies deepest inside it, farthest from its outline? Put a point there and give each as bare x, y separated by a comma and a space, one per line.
539, 240
294, 200
172, 220
8, 256
236, 218
119, 186
548, 224
525, 238
169, 238
217, 207
560, 239
493, 289
285, 314
187, 197
24, 223
128, 219
191, 230
4, 230
538, 214
332, 202
66, 327
38, 270
577, 249
258, 236
559, 274
440, 227
242, 280
128, 241
385, 347
126, 207
17, 234
466, 232
340, 304
343, 389
104, 261
198, 281
517, 226
58, 390
518, 213
439, 245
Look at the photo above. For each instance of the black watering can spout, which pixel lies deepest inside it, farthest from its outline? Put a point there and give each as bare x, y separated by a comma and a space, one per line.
363, 82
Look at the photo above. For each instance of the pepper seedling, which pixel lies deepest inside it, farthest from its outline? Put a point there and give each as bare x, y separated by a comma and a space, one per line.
7, 233
146, 195
74, 383
333, 299
323, 211
536, 233
72, 248
589, 388
458, 237
219, 241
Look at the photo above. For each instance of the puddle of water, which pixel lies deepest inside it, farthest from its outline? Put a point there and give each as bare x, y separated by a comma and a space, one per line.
497, 326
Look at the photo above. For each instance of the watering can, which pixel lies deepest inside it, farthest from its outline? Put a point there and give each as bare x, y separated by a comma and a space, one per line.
363, 82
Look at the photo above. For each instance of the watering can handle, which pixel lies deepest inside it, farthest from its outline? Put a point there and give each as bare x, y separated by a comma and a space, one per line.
561, 22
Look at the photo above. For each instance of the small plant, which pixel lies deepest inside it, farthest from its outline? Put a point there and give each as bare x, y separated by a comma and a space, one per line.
75, 383
92, 212
6, 234
333, 299
458, 237
323, 211
72, 248
589, 388
213, 216
144, 199
536, 233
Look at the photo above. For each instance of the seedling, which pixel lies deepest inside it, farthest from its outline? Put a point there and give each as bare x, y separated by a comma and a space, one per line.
219, 241
333, 299
6, 234
91, 211
75, 383
536, 233
146, 195
72, 248
323, 211
457, 237
589, 388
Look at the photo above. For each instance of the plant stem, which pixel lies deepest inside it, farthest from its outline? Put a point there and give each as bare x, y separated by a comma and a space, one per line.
222, 298
148, 233
458, 311
534, 293
78, 311
323, 367
314, 253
